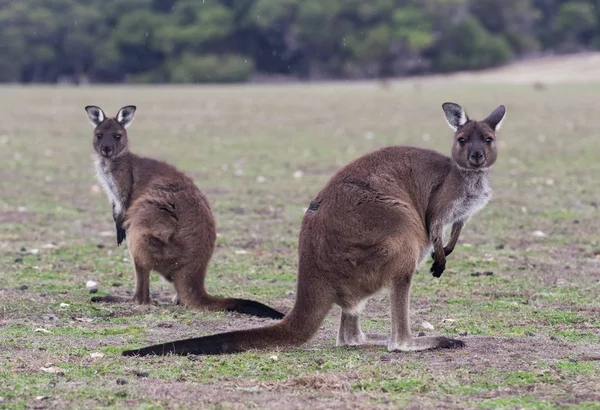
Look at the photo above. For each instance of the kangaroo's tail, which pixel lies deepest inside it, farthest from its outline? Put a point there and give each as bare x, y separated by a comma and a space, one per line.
251, 307
295, 329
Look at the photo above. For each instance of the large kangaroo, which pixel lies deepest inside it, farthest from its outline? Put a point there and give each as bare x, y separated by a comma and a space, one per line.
167, 220
368, 229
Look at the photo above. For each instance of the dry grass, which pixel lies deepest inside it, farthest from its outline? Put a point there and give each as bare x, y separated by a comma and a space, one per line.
582, 68
261, 154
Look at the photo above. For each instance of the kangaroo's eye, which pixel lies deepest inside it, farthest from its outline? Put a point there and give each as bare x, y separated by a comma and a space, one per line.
117, 136
462, 141
489, 140
99, 136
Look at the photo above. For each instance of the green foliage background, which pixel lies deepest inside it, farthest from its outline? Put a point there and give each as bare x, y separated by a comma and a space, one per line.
184, 41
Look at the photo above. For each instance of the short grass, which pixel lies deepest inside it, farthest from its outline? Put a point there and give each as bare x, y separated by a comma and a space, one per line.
261, 153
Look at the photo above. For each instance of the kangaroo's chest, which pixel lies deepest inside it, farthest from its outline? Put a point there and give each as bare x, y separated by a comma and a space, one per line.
474, 198
107, 182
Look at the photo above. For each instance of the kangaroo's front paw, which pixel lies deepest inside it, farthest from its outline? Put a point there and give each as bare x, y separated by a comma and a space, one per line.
121, 235
437, 268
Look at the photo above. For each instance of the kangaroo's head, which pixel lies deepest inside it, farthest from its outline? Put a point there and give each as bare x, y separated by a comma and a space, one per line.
110, 136
474, 141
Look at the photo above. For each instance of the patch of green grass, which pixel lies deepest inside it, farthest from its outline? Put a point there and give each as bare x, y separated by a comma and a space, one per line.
560, 214
14, 333
390, 385
578, 367
576, 336
511, 402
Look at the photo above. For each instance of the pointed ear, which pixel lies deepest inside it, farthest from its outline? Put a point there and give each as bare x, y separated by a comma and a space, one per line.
95, 115
455, 115
495, 119
125, 115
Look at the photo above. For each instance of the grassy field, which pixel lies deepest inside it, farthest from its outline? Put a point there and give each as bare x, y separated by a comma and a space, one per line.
532, 325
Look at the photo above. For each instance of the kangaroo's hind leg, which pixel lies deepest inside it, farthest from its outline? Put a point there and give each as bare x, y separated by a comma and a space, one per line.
146, 250
401, 339
350, 333
140, 249
142, 288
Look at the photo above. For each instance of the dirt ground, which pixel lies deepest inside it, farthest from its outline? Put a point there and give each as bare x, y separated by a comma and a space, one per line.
522, 288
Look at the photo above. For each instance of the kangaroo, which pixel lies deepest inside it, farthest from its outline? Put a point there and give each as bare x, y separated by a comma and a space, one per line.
166, 219
369, 228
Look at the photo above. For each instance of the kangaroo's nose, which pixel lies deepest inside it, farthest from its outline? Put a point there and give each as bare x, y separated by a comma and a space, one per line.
476, 155
106, 150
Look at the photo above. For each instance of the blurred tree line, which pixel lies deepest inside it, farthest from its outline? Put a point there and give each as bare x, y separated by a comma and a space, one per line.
232, 40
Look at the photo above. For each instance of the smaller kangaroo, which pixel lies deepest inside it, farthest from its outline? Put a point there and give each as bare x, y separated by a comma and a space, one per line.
167, 220
369, 228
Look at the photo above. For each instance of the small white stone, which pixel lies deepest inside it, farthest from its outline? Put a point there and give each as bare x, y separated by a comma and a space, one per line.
63, 304
90, 284
298, 174
97, 355
52, 369
274, 358
427, 325
260, 179
539, 234
241, 252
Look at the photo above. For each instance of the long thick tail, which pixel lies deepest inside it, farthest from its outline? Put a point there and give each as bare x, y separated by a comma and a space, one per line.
251, 307
295, 329
230, 342
248, 307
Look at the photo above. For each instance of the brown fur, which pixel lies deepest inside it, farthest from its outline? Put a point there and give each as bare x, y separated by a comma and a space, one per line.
168, 223
367, 230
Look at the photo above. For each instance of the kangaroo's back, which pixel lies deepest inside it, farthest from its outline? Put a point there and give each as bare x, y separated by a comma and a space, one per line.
400, 175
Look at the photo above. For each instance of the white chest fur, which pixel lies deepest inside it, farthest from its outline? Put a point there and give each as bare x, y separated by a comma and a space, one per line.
107, 181
475, 196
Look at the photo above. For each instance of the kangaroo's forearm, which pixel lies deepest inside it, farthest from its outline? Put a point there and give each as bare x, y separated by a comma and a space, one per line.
454, 235
439, 256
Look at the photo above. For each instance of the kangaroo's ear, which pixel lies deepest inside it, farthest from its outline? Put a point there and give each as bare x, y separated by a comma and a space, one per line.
125, 115
95, 115
455, 115
495, 119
